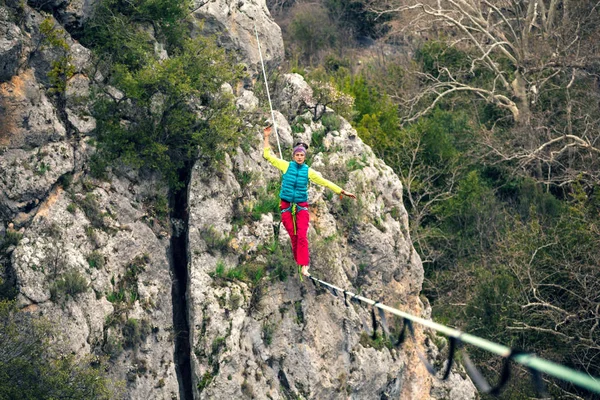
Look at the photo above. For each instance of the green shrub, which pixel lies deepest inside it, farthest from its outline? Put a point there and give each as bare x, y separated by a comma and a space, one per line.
268, 329
235, 274
266, 204
220, 269
379, 343
135, 332
161, 207
89, 205
247, 272
136, 266
244, 178
235, 301
61, 68
205, 381
97, 166
42, 168
298, 128
11, 238
215, 242
125, 291
195, 70
299, 312
116, 296
349, 212
354, 164
317, 140
331, 122
215, 349
254, 272
68, 285
312, 31
66, 180
279, 262
95, 260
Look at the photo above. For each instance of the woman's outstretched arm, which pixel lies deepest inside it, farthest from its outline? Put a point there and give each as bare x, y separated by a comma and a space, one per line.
317, 178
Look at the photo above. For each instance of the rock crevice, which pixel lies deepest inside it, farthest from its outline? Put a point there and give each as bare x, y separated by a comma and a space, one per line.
179, 265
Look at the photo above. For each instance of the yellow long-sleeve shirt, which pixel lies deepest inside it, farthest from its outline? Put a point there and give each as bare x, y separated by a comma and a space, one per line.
313, 175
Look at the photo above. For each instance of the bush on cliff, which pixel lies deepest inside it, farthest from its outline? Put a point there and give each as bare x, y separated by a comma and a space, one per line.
171, 112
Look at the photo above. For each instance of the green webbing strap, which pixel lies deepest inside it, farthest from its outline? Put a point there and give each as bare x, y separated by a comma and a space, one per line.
531, 361
374, 322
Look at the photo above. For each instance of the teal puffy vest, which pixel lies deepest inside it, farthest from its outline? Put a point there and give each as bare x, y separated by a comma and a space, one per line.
294, 185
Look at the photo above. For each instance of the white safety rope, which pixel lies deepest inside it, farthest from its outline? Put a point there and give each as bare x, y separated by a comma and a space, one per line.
268, 95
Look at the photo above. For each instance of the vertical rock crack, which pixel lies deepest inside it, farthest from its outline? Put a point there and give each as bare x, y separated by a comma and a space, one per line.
179, 265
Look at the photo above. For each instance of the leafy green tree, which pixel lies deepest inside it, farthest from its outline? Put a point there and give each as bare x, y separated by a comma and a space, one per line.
118, 30
171, 112
33, 367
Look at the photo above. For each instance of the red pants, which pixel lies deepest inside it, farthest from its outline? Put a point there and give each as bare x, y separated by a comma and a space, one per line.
299, 239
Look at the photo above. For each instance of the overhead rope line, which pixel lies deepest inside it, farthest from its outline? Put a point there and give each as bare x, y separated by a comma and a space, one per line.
262, 63
536, 365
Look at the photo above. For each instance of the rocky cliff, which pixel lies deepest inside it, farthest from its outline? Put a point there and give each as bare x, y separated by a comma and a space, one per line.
200, 301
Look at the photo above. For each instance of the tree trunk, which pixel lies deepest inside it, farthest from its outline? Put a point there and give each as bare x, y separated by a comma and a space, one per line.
519, 87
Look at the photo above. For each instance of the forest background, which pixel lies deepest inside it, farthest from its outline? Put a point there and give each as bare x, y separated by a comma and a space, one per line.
489, 113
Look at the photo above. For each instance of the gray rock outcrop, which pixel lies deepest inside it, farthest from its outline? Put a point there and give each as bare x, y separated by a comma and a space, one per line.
104, 237
235, 22
11, 42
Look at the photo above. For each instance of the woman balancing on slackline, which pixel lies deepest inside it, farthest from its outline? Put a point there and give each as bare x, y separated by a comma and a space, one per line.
294, 197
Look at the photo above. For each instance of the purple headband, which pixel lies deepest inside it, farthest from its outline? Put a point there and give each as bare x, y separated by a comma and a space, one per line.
299, 149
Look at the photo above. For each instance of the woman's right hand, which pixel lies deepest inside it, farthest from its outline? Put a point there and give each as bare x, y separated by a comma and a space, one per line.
267, 131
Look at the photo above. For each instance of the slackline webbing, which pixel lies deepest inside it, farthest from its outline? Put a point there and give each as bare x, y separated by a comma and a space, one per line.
534, 364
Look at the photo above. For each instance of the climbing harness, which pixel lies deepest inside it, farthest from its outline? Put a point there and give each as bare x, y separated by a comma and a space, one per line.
294, 209
457, 339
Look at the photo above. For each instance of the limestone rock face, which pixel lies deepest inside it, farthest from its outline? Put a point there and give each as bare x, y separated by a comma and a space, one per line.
35, 132
29, 119
70, 13
105, 238
10, 46
234, 23
293, 96
94, 258
281, 338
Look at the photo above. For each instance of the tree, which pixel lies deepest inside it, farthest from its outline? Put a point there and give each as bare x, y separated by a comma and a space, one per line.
170, 112
535, 60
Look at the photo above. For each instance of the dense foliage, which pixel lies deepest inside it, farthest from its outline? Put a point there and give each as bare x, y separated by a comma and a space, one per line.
496, 151
170, 112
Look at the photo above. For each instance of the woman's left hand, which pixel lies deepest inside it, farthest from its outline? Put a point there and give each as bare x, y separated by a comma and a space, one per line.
348, 194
